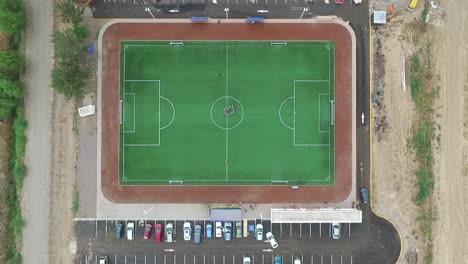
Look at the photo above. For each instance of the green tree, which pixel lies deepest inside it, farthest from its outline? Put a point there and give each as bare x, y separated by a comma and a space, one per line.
6, 106
70, 44
12, 22
69, 78
69, 12
10, 89
10, 63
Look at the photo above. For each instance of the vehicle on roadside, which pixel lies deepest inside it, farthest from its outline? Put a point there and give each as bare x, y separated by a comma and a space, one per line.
339, 2
169, 233
130, 231
297, 260
147, 232
238, 229
278, 259
356, 2
227, 231
187, 231
158, 233
219, 229
335, 230
118, 231
364, 195
103, 260
259, 232
271, 239
209, 230
197, 234
246, 260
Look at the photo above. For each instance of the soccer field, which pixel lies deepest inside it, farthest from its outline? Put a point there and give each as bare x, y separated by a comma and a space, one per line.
226, 113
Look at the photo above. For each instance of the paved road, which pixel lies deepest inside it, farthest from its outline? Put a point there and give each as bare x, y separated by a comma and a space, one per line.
373, 241
37, 102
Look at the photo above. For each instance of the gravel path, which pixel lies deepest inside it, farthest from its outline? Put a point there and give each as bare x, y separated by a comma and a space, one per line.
38, 97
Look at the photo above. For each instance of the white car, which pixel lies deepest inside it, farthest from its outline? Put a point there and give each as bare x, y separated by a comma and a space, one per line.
272, 240
187, 231
246, 260
218, 229
335, 230
297, 260
130, 231
259, 232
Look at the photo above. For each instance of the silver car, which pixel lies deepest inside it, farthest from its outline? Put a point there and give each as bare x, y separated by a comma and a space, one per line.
259, 232
272, 240
335, 230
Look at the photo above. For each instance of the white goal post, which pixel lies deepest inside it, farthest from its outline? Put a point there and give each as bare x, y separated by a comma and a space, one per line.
176, 43
86, 110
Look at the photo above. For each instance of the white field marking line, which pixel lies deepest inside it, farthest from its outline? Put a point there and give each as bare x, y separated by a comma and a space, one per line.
228, 128
131, 131
159, 119
141, 145
290, 43
173, 112
227, 120
267, 182
123, 134
329, 128
279, 111
294, 115
142, 80
319, 127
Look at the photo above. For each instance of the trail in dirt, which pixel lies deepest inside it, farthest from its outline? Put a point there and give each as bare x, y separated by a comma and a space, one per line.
449, 228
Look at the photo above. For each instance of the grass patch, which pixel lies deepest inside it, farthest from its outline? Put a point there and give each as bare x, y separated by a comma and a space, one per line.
76, 202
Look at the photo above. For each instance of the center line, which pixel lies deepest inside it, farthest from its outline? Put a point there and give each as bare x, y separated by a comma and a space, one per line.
227, 101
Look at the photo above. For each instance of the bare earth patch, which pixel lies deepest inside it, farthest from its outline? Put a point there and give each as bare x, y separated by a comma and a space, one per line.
5, 143
393, 162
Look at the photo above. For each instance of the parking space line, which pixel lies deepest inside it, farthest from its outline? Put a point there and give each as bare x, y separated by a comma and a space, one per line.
253, 258
193, 258
214, 259
115, 258
320, 228
351, 259
135, 259
224, 259
106, 227
281, 229
184, 258
204, 260
290, 230
125, 259
96, 228
233, 259
321, 259
312, 259
349, 230
175, 259
164, 258
145, 259
155, 258
86, 258
331, 259
341, 258
310, 229
300, 229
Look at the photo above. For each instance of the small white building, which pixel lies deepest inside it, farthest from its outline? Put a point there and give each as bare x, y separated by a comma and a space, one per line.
379, 18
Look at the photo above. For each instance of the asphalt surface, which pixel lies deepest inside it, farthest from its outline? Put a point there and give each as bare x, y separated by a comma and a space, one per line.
373, 241
35, 196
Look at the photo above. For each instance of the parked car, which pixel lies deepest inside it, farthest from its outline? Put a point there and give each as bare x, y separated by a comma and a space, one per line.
246, 260
103, 260
272, 240
118, 231
278, 260
227, 231
158, 233
259, 232
147, 232
219, 229
130, 231
297, 260
238, 229
169, 233
197, 234
187, 231
335, 230
364, 195
340, 2
209, 230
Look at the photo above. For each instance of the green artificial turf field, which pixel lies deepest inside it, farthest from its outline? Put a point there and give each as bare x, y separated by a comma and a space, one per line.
226, 113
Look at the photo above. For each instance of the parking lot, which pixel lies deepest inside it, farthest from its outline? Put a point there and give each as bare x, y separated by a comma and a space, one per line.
97, 238
105, 229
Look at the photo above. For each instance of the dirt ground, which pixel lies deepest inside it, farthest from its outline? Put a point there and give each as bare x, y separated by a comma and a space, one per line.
62, 183
393, 162
393, 112
451, 194
5, 141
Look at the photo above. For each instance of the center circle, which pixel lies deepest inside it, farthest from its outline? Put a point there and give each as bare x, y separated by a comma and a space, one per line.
227, 112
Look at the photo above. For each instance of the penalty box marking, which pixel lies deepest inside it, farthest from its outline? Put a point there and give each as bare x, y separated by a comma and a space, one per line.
294, 115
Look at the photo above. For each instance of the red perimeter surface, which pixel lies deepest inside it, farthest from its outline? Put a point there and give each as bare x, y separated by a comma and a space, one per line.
225, 194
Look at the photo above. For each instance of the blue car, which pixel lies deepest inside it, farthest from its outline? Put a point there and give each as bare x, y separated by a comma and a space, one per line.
209, 230
364, 195
118, 231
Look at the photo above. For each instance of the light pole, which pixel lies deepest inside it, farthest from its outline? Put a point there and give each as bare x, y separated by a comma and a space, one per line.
149, 11
226, 10
303, 11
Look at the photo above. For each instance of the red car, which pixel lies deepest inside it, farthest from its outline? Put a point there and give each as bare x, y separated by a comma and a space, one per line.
340, 2
158, 233
147, 231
